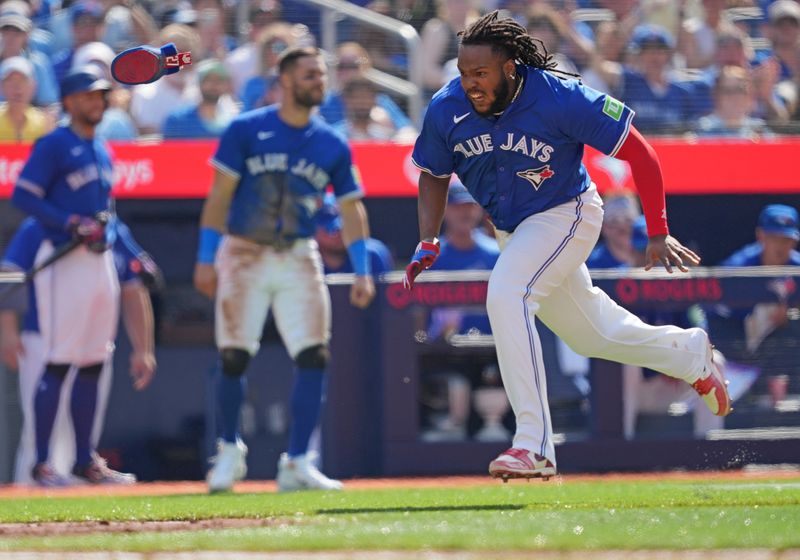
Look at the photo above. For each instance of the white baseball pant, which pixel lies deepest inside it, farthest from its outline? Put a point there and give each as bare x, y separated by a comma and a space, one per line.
541, 273
253, 278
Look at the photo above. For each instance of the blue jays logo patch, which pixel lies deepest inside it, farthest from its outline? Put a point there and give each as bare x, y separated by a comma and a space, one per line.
536, 176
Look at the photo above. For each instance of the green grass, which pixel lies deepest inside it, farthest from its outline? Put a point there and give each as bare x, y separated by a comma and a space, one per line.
585, 515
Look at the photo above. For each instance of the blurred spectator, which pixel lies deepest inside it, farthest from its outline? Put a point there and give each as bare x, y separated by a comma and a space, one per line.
551, 28
87, 27
779, 71
127, 24
352, 61
151, 103
734, 103
39, 38
463, 247
614, 249
331, 245
698, 39
611, 40
661, 103
19, 120
262, 88
244, 62
210, 27
15, 28
440, 42
209, 117
645, 390
117, 123
365, 120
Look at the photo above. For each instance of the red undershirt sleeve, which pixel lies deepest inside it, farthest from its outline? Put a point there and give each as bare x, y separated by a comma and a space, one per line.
646, 171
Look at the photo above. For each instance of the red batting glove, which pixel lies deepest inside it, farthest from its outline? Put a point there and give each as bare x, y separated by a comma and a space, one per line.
424, 256
88, 230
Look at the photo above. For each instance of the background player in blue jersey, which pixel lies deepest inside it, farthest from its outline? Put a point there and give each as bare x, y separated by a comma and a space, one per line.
25, 352
333, 250
272, 167
66, 185
514, 134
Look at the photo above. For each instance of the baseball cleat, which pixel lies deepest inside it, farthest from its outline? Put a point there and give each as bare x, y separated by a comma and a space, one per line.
713, 388
521, 463
98, 472
46, 476
300, 473
230, 465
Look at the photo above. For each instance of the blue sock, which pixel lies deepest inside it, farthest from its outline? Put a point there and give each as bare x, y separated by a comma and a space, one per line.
83, 405
45, 407
230, 394
305, 406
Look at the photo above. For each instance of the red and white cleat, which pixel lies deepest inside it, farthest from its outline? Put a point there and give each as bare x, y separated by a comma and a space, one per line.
521, 463
713, 388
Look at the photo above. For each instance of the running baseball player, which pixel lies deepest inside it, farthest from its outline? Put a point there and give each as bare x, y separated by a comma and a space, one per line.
257, 253
25, 352
514, 134
66, 186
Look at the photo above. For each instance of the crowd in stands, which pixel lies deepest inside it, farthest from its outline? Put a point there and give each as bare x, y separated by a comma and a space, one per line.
690, 67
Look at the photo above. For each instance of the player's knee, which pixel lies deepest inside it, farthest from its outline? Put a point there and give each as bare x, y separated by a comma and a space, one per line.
315, 357
91, 371
234, 361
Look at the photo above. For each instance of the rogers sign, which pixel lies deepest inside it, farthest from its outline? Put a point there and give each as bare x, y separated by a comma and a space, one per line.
628, 290
437, 294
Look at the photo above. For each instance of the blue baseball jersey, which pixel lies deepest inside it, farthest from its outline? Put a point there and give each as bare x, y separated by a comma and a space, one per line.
21, 255
283, 173
65, 174
528, 159
380, 259
750, 255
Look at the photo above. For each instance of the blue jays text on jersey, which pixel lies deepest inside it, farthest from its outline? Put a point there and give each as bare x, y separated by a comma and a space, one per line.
21, 255
529, 158
65, 174
283, 172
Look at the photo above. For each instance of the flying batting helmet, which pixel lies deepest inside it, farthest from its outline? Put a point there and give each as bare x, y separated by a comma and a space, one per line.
84, 78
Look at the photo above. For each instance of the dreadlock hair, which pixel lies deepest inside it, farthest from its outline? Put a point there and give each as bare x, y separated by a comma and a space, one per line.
509, 37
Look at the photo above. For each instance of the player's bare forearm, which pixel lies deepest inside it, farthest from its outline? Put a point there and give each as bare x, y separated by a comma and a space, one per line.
218, 202
431, 204
355, 224
10, 345
137, 315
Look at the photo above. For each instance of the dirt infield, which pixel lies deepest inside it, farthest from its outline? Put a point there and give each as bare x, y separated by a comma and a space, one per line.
256, 486
199, 487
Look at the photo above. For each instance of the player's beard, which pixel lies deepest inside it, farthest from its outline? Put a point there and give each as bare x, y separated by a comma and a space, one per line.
309, 98
500, 102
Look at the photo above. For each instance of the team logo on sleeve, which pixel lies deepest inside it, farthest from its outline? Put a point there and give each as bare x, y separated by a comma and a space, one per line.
536, 176
613, 108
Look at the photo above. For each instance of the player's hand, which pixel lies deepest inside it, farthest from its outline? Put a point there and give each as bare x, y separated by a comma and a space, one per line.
424, 256
10, 349
143, 368
90, 231
148, 271
666, 250
362, 292
205, 279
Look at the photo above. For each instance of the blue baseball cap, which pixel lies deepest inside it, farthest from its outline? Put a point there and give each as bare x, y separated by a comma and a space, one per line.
780, 219
83, 78
328, 216
650, 35
639, 237
89, 8
458, 194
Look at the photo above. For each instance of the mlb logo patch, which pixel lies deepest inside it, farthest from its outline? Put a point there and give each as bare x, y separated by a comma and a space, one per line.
613, 108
